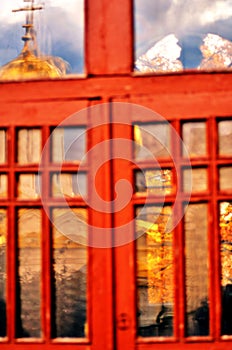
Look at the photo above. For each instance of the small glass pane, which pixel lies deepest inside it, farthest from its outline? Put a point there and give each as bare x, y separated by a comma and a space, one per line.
194, 137
225, 178
29, 273
28, 186
176, 35
226, 266
155, 272
3, 148
3, 185
70, 273
3, 237
197, 270
225, 137
195, 180
69, 185
68, 144
51, 48
153, 182
152, 140
29, 146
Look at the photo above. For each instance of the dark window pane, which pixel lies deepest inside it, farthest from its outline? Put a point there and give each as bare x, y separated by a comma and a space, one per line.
155, 280
197, 274
70, 274
182, 34
3, 231
29, 273
226, 265
56, 41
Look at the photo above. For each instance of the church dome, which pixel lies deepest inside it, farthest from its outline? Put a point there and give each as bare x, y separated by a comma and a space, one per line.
29, 64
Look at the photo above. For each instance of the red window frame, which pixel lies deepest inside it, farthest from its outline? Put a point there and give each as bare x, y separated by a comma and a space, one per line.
110, 77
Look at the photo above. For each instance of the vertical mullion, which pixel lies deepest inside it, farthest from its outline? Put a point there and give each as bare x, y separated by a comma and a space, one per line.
179, 263
46, 243
214, 242
12, 239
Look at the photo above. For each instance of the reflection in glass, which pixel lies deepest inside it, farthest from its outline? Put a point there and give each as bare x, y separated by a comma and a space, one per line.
68, 144
70, 273
176, 35
3, 232
55, 27
152, 140
28, 186
196, 270
226, 266
153, 181
194, 137
69, 185
29, 273
2, 146
29, 146
3, 185
225, 137
195, 180
225, 176
155, 284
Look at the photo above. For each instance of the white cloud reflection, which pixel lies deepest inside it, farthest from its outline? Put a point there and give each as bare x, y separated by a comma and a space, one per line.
189, 20
59, 26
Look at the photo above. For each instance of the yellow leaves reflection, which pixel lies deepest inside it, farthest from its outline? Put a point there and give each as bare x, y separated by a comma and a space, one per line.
226, 242
155, 259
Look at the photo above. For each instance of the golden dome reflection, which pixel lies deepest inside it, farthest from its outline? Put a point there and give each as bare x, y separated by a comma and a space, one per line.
29, 64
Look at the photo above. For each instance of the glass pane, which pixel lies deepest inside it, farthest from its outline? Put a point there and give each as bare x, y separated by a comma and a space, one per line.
152, 140
3, 156
70, 274
195, 180
225, 137
29, 146
3, 237
194, 137
153, 181
197, 274
68, 144
54, 43
28, 186
182, 34
3, 185
226, 265
29, 273
69, 185
155, 278
225, 176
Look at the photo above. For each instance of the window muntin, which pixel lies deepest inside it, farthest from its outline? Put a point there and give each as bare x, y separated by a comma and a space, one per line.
177, 35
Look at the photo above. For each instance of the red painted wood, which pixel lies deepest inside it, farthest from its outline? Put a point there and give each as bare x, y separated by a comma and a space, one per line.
109, 37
